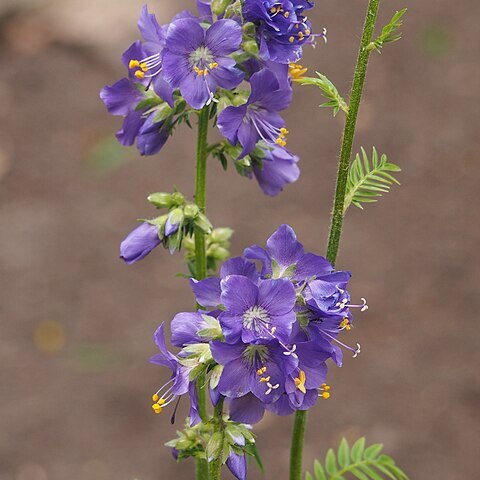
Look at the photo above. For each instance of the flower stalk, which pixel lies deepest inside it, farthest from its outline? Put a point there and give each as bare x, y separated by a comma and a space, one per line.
201, 256
215, 466
336, 225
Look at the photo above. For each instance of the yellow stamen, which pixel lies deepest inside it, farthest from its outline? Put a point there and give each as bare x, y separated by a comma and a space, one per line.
307, 32
274, 10
325, 387
139, 74
284, 131
345, 324
162, 401
157, 408
213, 65
206, 72
281, 142
325, 395
274, 329
291, 39
300, 382
265, 379
286, 14
133, 64
144, 67
261, 371
155, 397
296, 70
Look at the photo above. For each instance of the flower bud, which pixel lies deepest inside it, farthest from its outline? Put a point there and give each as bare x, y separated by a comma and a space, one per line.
174, 220
203, 223
191, 211
139, 243
220, 235
218, 253
161, 199
250, 46
219, 6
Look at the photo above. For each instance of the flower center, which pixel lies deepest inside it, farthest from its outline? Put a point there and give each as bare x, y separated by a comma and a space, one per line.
256, 352
202, 61
253, 315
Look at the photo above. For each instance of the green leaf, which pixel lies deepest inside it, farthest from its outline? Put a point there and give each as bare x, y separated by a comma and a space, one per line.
357, 449
319, 471
331, 462
373, 451
329, 91
368, 180
344, 453
389, 32
358, 462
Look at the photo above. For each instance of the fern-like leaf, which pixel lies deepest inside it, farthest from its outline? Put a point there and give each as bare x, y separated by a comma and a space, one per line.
368, 180
329, 91
390, 32
358, 463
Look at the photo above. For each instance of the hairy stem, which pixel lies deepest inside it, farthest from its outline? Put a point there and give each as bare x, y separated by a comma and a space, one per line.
215, 466
298, 436
349, 132
201, 256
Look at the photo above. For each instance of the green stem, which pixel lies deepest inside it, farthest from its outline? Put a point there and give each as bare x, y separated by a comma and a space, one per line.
336, 226
201, 256
215, 466
349, 132
298, 437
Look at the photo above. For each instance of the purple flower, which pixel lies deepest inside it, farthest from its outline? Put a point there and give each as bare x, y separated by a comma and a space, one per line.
179, 383
258, 119
197, 60
208, 291
145, 60
275, 170
237, 464
186, 325
139, 243
254, 312
284, 256
282, 29
259, 369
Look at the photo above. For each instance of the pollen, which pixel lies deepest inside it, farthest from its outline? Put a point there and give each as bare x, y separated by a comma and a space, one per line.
325, 395
265, 379
261, 371
300, 382
296, 71
345, 324
325, 387
213, 65
286, 14
155, 397
139, 74
307, 32
133, 64
291, 39
157, 408
144, 67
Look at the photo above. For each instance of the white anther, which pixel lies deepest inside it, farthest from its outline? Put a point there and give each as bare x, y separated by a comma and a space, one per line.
365, 306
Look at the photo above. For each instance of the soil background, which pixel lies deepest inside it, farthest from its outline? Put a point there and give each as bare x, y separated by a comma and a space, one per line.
76, 323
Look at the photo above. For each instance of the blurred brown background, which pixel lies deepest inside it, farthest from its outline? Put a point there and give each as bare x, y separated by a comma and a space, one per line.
76, 323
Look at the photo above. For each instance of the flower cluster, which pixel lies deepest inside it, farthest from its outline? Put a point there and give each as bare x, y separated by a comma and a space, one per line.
234, 61
265, 329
